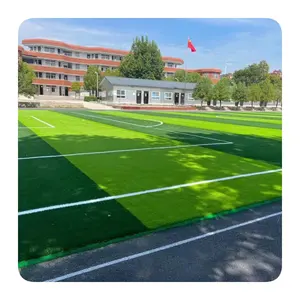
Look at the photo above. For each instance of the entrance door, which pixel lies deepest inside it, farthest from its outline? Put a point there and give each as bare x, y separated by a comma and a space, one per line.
138, 97
66, 91
146, 97
182, 99
41, 90
176, 98
60, 91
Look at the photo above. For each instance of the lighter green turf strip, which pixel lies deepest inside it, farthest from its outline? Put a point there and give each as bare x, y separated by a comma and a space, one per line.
225, 117
236, 129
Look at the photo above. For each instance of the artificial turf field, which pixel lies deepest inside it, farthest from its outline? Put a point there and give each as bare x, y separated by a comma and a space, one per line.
90, 177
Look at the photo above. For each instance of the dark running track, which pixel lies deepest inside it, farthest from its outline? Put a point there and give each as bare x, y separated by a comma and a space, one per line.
248, 253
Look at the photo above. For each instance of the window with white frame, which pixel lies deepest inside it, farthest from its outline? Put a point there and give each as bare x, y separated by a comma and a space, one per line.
170, 65
121, 94
155, 95
104, 56
49, 49
168, 96
190, 96
50, 75
50, 62
77, 54
77, 78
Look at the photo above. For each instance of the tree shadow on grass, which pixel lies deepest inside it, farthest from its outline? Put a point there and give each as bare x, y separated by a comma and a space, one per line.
44, 182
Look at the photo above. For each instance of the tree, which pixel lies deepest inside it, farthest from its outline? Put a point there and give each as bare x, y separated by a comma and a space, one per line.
267, 92
109, 72
144, 61
222, 90
203, 89
193, 77
180, 75
277, 83
254, 93
239, 94
254, 73
90, 79
76, 88
25, 79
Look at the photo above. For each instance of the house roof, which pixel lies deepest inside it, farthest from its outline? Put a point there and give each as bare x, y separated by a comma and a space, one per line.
121, 81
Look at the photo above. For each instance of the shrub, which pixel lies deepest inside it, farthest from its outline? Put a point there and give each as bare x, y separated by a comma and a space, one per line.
90, 98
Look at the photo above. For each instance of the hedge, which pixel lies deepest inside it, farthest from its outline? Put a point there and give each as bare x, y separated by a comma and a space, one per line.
90, 98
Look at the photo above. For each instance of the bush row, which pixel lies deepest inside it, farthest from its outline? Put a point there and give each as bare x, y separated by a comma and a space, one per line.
90, 98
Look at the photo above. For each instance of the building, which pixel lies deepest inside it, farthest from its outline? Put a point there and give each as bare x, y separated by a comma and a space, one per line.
120, 90
277, 72
58, 64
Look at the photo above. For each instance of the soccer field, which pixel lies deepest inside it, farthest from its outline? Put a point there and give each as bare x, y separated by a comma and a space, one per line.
91, 177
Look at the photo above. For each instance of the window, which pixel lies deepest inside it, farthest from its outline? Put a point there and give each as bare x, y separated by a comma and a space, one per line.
50, 62
155, 95
68, 53
39, 74
77, 54
31, 48
58, 51
59, 64
50, 75
53, 89
88, 56
190, 96
121, 94
48, 49
104, 56
103, 69
69, 66
96, 55
77, 78
39, 48
168, 96
92, 55
34, 48
215, 75
77, 67
170, 65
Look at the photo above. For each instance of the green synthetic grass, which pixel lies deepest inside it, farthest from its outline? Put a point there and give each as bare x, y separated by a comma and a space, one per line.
45, 182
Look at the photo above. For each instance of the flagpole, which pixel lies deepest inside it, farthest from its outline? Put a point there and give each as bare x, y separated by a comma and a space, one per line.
185, 71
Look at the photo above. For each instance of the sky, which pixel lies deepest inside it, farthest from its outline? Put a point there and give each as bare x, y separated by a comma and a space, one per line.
229, 44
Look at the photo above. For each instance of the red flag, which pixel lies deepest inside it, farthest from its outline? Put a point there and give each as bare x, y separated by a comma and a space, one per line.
191, 46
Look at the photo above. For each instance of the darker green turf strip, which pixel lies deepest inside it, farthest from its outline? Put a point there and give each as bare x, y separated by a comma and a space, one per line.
27, 263
258, 148
54, 181
217, 120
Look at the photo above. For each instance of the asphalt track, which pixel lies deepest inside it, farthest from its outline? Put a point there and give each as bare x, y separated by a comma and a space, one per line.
240, 247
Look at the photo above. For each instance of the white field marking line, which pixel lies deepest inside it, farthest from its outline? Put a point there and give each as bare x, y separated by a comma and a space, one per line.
22, 127
167, 188
104, 118
162, 248
43, 122
195, 135
122, 150
199, 136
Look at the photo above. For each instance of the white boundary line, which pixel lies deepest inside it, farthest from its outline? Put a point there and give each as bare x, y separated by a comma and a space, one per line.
104, 118
173, 187
121, 150
24, 127
43, 122
154, 126
162, 248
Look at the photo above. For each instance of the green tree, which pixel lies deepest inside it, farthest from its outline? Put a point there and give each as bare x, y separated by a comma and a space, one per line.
193, 77
239, 94
267, 92
25, 79
109, 72
277, 83
76, 88
169, 78
222, 90
90, 79
254, 73
254, 93
180, 75
144, 61
203, 89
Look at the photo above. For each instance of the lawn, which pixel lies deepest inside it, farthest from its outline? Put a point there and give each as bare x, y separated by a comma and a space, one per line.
89, 177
